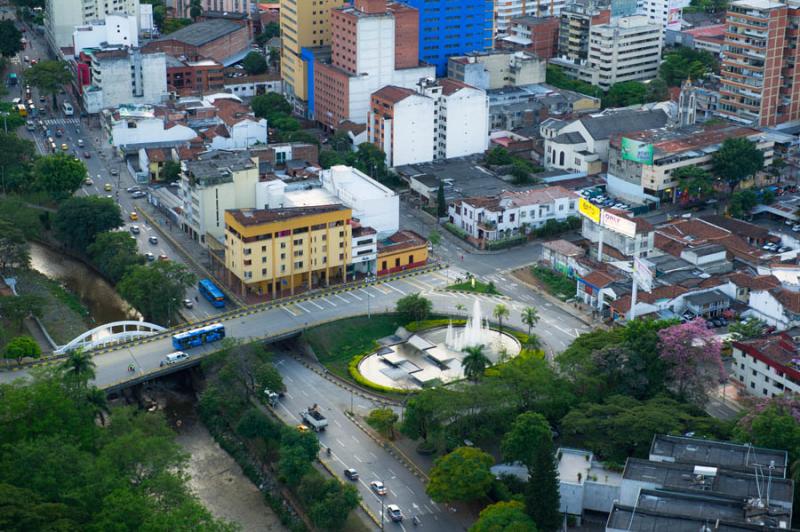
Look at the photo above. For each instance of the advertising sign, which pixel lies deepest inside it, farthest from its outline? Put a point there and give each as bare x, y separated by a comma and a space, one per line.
589, 209
643, 274
636, 151
618, 224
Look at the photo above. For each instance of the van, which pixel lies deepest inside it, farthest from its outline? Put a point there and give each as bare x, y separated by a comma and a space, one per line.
174, 358
80, 143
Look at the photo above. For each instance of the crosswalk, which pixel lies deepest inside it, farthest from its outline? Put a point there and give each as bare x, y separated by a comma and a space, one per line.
62, 121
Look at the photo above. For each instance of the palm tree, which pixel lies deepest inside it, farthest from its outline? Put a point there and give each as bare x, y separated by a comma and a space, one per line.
460, 307
78, 366
96, 399
500, 312
475, 363
530, 317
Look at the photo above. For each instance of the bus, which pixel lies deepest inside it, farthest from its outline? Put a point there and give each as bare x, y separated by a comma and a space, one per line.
211, 292
12, 79
22, 110
197, 337
67, 108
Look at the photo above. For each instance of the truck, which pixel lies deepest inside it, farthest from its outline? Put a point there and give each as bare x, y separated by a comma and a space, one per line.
313, 417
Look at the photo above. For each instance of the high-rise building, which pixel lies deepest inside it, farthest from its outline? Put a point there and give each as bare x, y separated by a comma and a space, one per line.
61, 16
538, 35
760, 79
452, 27
576, 21
507, 10
125, 76
304, 24
182, 7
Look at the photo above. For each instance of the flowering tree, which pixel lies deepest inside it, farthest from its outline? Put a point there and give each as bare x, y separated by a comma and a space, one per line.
692, 355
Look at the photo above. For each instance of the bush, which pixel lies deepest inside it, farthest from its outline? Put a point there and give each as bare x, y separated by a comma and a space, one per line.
555, 227
506, 242
460, 233
352, 368
479, 288
557, 284
432, 324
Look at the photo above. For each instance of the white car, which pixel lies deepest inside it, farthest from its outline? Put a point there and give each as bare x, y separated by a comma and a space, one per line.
378, 487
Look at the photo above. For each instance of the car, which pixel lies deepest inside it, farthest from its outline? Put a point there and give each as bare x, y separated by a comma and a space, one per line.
150, 257
153, 240
34, 61
64, 147
767, 247
163, 257
87, 155
134, 217
351, 473
394, 513
133, 189
188, 303
716, 322
174, 358
302, 428
107, 187
114, 171
26, 59
42, 99
378, 487
796, 228
784, 249
709, 324
789, 222
722, 320
140, 194
135, 229
80, 143
88, 181
59, 133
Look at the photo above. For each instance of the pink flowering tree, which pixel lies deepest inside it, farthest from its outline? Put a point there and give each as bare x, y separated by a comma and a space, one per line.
692, 355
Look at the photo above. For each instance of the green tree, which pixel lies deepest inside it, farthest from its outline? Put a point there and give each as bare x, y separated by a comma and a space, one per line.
529, 432
114, 252
773, 423
741, 203
10, 38
420, 417
441, 202
369, 159
21, 347
254, 424
15, 253
78, 368
694, 184
16, 158
736, 160
268, 377
383, 420
270, 106
17, 213
80, 219
557, 78
97, 401
498, 156
156, 290
297, 451
434, 237
49, 77
542, 496
530, 317
16, 309
504, 517
657, 91
414, 307
58, 175
747, 329
474, 363
195, 9
268, 31
625, 93
341, 142
328, 158
171, 171
462, 475
329, 502
500, 313
254, 63
683, 63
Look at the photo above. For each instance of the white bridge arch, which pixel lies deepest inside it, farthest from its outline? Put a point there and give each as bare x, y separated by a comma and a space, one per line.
111, 333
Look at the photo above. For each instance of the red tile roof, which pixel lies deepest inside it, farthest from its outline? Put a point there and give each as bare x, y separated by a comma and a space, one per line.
392, 93
754, 282
789, 299
598, 279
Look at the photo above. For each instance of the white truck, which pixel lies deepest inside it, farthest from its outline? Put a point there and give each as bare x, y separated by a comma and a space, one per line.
314, 418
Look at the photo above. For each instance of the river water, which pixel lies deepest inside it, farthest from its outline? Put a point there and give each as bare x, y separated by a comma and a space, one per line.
104, 304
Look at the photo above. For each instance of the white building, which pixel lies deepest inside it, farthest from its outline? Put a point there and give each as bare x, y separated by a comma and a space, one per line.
511, 9
114, 30
462, 127
125, 76
666, 13
62, 16
131, 127
497, 69
512, 213
769, 366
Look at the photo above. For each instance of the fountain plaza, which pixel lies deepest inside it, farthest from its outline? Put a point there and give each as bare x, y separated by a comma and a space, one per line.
412, 361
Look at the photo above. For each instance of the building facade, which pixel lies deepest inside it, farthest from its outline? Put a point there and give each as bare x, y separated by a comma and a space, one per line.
537, 35
62, 16
769, 366
576, 20
223, 40
497, 69
125, 76
195, 77
505, 12
182, 7
113, 30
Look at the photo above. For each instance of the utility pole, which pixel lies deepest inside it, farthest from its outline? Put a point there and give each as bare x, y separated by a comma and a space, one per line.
635, 288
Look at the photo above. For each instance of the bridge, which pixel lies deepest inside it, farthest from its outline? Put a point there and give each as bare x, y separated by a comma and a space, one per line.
118, 332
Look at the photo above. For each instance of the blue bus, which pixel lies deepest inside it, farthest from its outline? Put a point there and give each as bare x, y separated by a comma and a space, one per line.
197, 337
211, 292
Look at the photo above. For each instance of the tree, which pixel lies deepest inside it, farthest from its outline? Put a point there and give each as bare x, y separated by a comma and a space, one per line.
21, 347
657, 91
414, 307
254, 63
10, 38
80, 219
15, 253
58, 175
736, 160
683, 63
171, 171
114, 252
462, 475
747, 329
434, 237
530, 317
529, 431
557, 78
156, 290
49, 77
441, 203
542, 496
520, 172
370, 159
741, 203
420, 420
504, 517
297, 451
78, 367
96, 400
383, 420
498, 156
694, 184
195, 9
268, 31
268, 377
475, 363
328, 158
773, 423
16, 309
270, 106
328, 502
341, 142
500, 313
692, 355
16, 157
254, 424
625, 93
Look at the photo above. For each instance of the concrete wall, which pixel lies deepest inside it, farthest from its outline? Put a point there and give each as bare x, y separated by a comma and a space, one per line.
117, 30
413, 132
467, 114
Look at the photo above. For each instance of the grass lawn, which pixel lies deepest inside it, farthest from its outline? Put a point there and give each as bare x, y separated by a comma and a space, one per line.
479, 288
557, 284
64, 316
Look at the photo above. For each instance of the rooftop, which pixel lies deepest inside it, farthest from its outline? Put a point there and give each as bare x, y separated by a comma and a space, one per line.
672, 141
565, 248
603, 126
217, 167
248, 217
403, 239
575, 462
632, 519
201, 33
706, 298
778, 349
392, 93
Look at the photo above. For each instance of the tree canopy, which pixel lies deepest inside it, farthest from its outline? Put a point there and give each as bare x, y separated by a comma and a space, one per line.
49, 76
10, 38
504, 517
694, 184
21, 347
80, 219
114, 252
529, 432
58, 175
270, 106
414, 307
15, 253
156, 290
736, 160
684, 62
254, 63
625, 93
462, 475
692, 354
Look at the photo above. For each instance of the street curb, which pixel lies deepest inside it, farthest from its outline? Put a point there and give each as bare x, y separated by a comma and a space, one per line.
361, 502
468, 293
554, 300
346, 385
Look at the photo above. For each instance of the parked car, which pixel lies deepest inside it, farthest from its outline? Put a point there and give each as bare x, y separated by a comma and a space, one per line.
163, 257
107, 187
135, 188
724, 321
351, 473
87, 155
140, 194
135, 229
88, 181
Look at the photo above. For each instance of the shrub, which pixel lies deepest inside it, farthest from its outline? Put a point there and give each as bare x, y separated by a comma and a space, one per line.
506, 242
460, 233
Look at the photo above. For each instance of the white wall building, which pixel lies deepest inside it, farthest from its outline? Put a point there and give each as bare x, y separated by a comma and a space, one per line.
126, 76
62, 16
140, 132
497, 69
768, 367
462, 127
114, 30
242, 134
510, 9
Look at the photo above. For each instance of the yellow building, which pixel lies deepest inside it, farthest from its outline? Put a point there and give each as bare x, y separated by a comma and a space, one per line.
404, 250
304, 24
277, 251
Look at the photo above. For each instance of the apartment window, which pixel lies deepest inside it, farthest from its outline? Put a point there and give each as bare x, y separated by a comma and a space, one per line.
283, 268
247, 251
263, 249
341, 256
283, 256
263, 260
298, 264
283, 245
411, 259
248, 275
383, 265
298, 253
297, 242
396, 263
263, 271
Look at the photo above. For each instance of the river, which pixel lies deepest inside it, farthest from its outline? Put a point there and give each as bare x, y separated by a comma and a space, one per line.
103, 302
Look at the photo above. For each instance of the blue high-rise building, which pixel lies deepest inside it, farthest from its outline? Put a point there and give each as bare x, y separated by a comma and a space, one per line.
452, 27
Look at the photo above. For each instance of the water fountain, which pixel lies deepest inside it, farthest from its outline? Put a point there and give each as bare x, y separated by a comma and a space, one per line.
475, 332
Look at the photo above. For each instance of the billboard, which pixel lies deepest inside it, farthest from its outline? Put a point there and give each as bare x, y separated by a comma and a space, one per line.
589, 209
618, 224
675, 14
643, 274
638, 152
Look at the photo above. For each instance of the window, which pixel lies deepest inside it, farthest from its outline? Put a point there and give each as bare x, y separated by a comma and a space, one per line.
283, 256
396, 262
263, 271
263, 249
283, 245
263, 260
297, 242
248, 275
411, 259
298, 264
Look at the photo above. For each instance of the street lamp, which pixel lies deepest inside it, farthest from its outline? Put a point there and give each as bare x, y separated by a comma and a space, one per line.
381, 499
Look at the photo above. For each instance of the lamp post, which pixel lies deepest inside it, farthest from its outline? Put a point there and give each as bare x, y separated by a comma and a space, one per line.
381, 499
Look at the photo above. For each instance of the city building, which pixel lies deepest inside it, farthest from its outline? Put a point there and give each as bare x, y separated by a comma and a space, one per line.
374, 44
452, 27
61, 17
223, 40
497, 69
510, 214
768, 366
529, 105
401, 251
757, 72
708, 38
236, 128
278, 251
584, 484
113, 30
616, 245
576, 21
249, 86
186, 77
505, 12
132, 127
636, 179
667, 14
211, 184
182, 7
537, 35
125, 76
303, 25
626, 49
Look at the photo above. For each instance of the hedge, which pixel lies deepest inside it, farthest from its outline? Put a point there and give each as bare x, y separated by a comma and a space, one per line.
506, 242
431, 324
460, 233
352, 368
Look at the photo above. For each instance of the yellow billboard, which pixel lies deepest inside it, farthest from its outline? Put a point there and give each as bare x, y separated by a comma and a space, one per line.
589, 209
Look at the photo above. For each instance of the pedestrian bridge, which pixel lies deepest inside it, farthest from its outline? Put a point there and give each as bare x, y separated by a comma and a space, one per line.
111, 334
